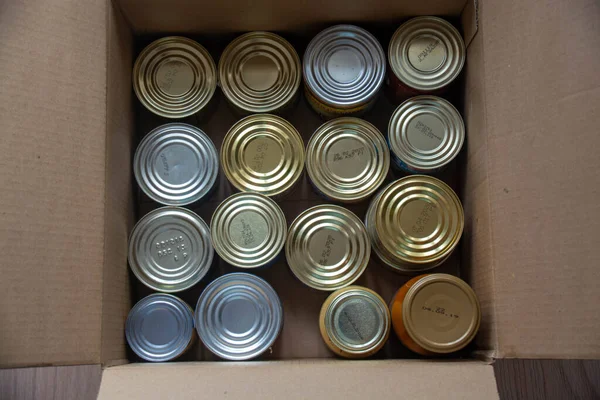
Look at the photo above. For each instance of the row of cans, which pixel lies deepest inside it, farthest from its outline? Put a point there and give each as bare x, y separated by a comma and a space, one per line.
239, 316
344, 68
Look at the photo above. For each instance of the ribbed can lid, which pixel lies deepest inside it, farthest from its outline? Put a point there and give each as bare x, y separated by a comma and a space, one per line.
347, 159
176, 164
174, 77
259, 72
170, 249
426, 133
238, 316
327, 247
248, 230
426, 53
344, 66
160, 327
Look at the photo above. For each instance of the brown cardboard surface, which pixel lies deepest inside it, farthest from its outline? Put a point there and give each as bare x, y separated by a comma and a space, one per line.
543, 99
52, 111
311, 379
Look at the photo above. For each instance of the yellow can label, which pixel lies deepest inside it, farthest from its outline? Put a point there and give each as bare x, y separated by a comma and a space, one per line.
328, 111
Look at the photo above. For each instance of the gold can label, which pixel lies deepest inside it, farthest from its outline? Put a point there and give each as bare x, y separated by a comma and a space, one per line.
328, 112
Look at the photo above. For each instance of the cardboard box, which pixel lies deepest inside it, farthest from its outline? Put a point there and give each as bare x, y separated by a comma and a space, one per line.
531, 101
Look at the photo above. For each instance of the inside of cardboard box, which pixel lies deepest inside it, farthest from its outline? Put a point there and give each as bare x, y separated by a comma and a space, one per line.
300, 337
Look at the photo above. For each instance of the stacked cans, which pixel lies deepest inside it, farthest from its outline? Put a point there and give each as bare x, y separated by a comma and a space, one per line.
412, 224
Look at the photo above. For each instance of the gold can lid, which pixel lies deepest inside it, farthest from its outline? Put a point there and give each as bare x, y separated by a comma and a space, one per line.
417, 220
259, 72
347, 159
354, 322
248, 230
327, 247
441, 313
263, 153
426, 133
174, 77
426, 53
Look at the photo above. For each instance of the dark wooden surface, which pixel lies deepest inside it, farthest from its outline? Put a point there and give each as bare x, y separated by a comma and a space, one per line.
517, 379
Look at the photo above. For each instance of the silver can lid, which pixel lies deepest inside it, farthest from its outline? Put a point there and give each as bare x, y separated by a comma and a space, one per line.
344, 66
327, 247
170, 249
248, 230
426, 133
176, 164
238, 316
426, 53
160, 327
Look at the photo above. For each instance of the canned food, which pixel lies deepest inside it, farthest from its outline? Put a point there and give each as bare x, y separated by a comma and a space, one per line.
347, 159
344, 68
327, 247
415, 223
160, 327
263, 153
435, 314
174, 77
259, 72
248, 230
425, 54
238, 316
176, 164
425, 133
354, 322
170, 249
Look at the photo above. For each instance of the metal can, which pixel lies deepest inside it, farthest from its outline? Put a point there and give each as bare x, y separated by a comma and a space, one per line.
344, 68
238, 316
347, 159
425, 55
248, 230
263, 153
160, 327
435, 314
425, 133
327, 247
174, 77
176, 164
415, 223
354, 322
259, 72
170, 249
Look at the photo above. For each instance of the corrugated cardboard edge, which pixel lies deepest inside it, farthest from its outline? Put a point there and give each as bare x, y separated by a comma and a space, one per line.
306, 379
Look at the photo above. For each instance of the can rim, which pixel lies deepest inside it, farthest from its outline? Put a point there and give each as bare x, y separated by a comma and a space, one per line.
431, 345
344, 188
280, 92
431, 27
198, 234
200, 65
235, 254
360, 248
176, 194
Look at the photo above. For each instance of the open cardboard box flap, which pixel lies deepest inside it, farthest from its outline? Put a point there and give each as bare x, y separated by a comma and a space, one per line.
530, 247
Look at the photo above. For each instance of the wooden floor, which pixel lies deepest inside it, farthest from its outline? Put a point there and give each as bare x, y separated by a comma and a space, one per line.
517, 379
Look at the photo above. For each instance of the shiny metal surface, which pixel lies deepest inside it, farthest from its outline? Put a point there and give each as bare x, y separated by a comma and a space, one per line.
174, 77
425, 133
355, 322
170, 249
238, 316
248, 230
426, 53
327, 247
344, 66
259, 72
160, 327
263, 153
347, 159
415, 223
176, 164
